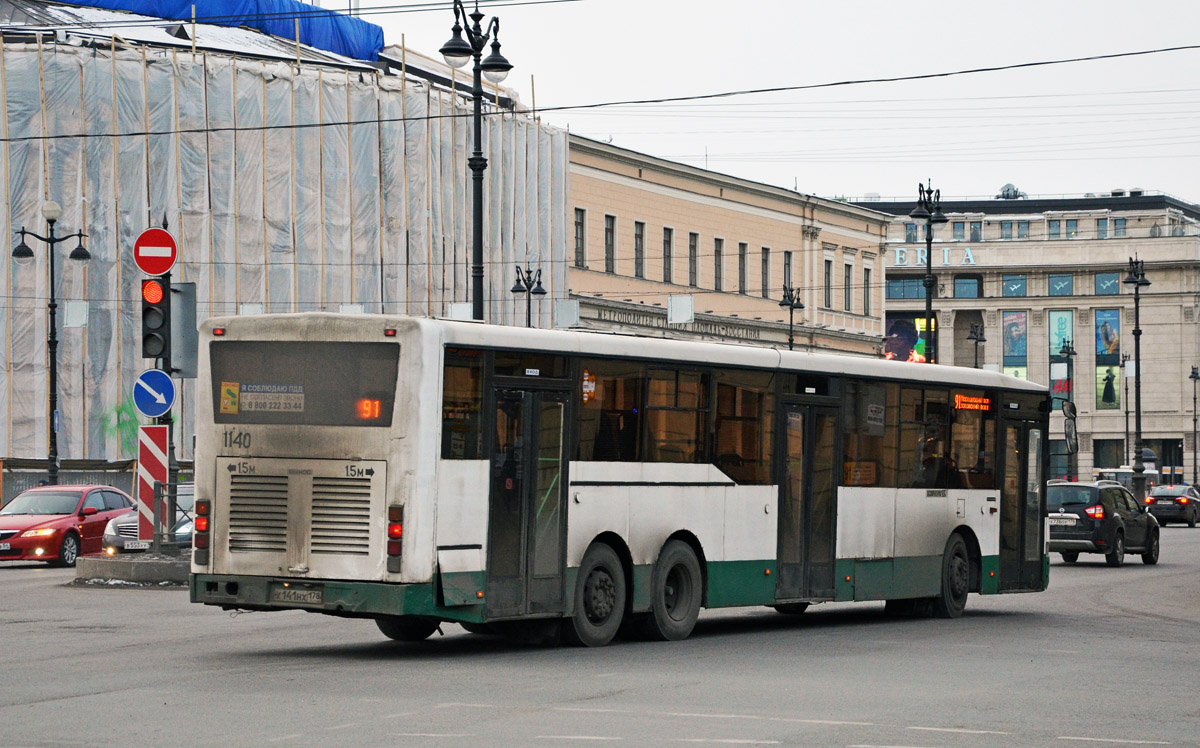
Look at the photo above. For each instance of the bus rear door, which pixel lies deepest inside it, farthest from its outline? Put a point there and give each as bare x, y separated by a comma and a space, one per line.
807, 502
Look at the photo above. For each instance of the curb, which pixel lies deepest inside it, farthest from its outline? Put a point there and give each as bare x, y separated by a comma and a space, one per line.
142, 569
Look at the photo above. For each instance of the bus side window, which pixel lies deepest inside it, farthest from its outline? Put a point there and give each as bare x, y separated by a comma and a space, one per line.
677, 416
973, 438
745, 413
610, 416
870, 418
462, 405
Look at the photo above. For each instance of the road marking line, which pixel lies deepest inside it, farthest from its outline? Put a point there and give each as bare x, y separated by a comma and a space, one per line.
452, 704
708, 716
434, 735
961, 730
398, 715
575, 737
285, 737
822, 722
730, 741
871, 745
590, 711
1113, 740
341, 727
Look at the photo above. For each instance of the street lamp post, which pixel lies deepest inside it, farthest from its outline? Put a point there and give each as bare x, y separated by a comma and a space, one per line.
791, 302
457, 52
1125, 377
929, 210
1137, 279
22, 253
976, 337
529, 282
1068, 352
1195, 377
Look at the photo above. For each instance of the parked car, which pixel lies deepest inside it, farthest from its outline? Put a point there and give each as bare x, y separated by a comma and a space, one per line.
1101, 517
121, 534
1174, 504
58, 523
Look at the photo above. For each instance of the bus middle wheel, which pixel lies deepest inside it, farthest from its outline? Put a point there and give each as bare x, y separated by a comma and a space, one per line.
599, 599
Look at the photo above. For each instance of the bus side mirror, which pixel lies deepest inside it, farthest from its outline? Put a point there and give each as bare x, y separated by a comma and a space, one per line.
1069, 430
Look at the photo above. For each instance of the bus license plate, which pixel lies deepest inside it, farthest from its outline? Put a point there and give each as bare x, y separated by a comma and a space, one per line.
297, 595
1067, 521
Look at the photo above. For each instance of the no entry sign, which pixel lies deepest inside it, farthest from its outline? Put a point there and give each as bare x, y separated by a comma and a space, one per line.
155, 251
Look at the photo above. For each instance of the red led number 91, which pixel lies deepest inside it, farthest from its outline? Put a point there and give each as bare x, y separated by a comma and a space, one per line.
368, 410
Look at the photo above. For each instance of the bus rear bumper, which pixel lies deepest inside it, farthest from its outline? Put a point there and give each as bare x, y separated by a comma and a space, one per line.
331, 597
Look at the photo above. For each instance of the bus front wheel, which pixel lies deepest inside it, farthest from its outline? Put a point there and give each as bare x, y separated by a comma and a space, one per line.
956, 579
599, 599
406, 629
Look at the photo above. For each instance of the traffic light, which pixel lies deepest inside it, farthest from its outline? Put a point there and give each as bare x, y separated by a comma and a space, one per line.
156, 317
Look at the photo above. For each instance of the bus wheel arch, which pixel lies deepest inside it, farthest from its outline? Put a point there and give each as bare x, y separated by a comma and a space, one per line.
600, 597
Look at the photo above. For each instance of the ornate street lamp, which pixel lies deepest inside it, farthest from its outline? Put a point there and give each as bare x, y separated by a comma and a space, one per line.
929, 210
22, 253
976, 337
791, 302
457, 52
1137, 279
1195, 377
529, 282
1125, 377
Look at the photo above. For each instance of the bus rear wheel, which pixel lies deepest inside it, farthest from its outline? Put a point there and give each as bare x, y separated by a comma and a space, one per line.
406, 628
675, 591
956, 579
599, 599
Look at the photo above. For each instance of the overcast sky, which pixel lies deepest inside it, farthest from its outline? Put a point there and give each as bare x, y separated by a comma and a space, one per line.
1063, 129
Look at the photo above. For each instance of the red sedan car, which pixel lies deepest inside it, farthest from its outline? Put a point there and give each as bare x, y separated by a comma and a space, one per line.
58, 523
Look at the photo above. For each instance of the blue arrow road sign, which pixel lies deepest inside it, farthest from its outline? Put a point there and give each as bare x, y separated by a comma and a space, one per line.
153, 393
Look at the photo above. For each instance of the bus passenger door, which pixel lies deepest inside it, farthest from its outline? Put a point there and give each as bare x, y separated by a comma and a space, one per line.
807, 503
527, 507
1021, 508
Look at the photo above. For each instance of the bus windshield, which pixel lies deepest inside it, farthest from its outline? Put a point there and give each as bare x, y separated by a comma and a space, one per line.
304, 383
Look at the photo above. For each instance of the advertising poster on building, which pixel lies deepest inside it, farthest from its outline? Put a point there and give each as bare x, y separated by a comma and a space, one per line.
1108, 388
1062, 327
1062, 331
906, 339
1015, 330
1108, 359
1020, 372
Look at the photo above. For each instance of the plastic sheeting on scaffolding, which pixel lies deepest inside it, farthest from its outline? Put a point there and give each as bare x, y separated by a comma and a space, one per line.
288, 189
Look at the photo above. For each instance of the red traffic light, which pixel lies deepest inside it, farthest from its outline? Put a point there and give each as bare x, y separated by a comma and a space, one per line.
152, 291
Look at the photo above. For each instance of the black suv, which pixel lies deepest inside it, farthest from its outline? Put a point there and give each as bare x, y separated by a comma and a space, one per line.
1100, 517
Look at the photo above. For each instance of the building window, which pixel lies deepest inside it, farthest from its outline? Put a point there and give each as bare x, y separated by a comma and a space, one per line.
910, 233
668, 251
787, 269
848, 286
1062, 284
976, 231
766, 272
867, 291
1022, 229
639, 249
1108, 284
1014, 285
829, 284
580, 236
968, 286
693, 259
610, 244
1101, 228
718, 263
1118, 227
1054, 230
912, 287
743, 259
960, 231
1006, 229
1072, 228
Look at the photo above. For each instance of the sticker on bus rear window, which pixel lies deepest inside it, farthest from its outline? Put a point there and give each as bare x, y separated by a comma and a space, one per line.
229, 398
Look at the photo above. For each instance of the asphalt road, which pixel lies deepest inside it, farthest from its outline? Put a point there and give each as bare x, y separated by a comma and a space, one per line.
1105, 657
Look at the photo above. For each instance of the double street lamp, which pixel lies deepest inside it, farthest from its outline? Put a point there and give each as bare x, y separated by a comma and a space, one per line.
929, 210
976, 337
1137, 279
22, 253
1195, 377
791, 302
458, 52
529, 282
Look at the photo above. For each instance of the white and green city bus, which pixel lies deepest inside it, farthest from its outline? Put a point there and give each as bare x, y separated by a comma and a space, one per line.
416, 471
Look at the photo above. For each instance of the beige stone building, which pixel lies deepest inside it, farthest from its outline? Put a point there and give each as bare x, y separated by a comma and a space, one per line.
1038, 272
646, 230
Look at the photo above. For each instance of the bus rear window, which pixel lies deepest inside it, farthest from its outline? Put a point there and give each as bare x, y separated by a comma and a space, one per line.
304, 383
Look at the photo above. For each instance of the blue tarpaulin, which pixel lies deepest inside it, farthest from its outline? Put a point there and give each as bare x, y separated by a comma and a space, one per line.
320, 28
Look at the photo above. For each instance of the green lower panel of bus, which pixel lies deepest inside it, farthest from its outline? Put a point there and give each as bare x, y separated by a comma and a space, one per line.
905, 577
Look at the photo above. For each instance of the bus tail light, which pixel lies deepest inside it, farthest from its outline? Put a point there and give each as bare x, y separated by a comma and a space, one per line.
200, 527
1095, 511
395, 537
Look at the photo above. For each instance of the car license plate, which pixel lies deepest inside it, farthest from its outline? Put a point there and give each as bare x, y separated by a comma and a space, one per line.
137, 545
5, 546
1064, 521
1164, 502
297, 595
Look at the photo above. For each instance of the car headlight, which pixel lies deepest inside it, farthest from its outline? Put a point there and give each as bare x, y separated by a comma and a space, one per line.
111, 527
39, 533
